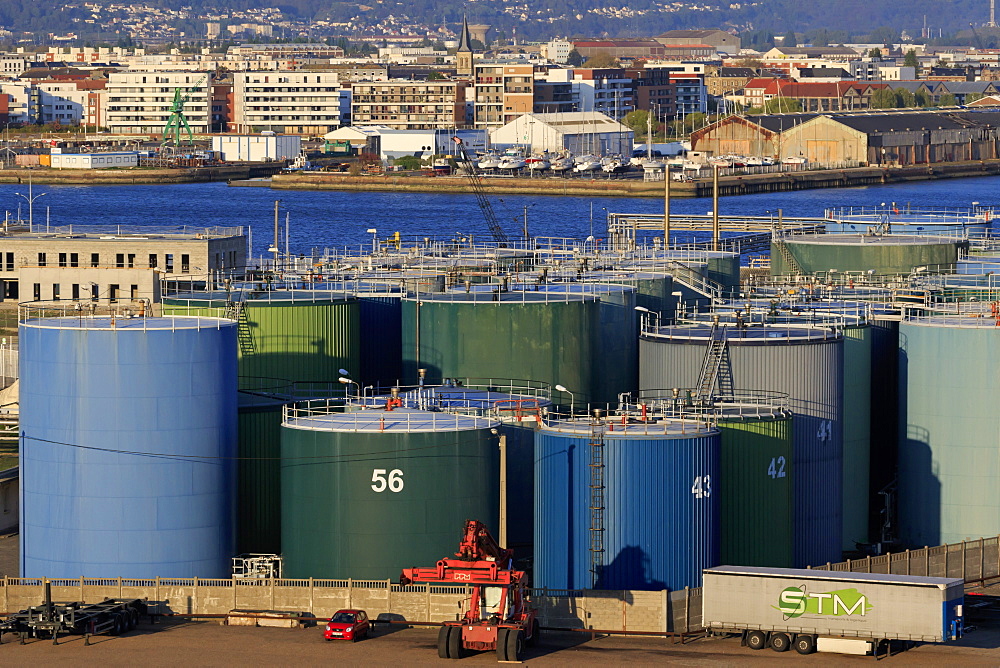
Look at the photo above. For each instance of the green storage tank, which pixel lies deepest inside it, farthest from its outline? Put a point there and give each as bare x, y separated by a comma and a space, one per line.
303, 335
368, 493
258, 474
882, 254
756, 490
580, 336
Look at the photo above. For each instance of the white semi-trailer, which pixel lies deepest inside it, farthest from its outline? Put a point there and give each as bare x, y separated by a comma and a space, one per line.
830, 611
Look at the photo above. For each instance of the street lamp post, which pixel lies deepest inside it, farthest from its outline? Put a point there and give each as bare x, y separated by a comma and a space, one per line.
572, 398
30, 197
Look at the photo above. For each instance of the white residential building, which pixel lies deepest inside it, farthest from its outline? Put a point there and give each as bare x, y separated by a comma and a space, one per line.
557, 50
291, 102
140, 102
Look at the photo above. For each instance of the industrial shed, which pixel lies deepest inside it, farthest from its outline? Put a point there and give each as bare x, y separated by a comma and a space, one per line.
919, 137
746, 135
896, 137
578, 132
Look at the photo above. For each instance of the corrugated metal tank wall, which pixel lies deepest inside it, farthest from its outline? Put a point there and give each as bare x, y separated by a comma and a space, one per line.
554, 333
857, 432
90, 397
661, 510
306, 341
888, 256
949, 462
258, 491
381, 345
808, 368
885, 410
520, 486
755, 492
300, 335
335, 523
551, 342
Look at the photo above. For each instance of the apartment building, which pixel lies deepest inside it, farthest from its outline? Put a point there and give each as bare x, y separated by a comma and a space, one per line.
410, 105
504, 90
71, 102
140, 102
290, 102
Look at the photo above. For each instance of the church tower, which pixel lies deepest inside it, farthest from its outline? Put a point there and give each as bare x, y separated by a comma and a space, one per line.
463, 57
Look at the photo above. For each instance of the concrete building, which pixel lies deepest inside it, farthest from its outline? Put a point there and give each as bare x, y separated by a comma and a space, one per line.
90, 263
296, 102
410, 105
878, 69
72, 102
557, 50
13, 64
118, 159
623, 49
720, 40
139, 102
581, 133
394, 144
257, 148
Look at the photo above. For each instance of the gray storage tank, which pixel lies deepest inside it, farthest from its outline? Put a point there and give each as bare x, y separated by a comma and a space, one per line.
805, 363
949, 461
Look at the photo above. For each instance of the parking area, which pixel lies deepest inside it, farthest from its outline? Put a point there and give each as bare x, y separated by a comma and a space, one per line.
207, 643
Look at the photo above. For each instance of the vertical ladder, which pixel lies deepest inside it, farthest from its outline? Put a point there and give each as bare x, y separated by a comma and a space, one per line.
596, 499
237, 311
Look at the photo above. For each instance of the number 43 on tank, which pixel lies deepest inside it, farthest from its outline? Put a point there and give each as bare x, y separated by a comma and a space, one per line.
393, 482
702, 487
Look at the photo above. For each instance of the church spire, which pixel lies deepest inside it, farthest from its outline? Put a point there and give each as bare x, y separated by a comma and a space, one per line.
465, 42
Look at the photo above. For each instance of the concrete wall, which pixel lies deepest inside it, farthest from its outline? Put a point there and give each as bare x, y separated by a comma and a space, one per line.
647, 611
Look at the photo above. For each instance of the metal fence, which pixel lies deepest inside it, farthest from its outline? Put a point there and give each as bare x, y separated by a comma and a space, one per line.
974, 561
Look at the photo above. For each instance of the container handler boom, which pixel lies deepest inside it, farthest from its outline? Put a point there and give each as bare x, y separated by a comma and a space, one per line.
499, 615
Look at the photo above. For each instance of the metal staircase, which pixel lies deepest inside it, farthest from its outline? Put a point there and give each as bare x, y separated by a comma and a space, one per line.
694, 281
787, 256
596, 498
237, 311
715, 368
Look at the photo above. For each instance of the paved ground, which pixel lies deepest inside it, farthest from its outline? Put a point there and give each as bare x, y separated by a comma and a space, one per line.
209, 644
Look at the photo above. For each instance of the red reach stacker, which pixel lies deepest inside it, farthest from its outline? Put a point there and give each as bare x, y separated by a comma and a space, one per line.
499, 615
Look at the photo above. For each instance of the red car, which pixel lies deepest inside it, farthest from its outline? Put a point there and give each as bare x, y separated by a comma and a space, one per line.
348, 625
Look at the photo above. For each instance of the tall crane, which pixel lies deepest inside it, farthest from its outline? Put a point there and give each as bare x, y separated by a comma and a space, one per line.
476, 181
178, 121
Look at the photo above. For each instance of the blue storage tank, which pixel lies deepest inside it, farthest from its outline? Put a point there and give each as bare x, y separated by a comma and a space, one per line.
661, 517
129, 439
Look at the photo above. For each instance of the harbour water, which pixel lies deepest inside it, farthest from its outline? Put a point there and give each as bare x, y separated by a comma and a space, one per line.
330, 219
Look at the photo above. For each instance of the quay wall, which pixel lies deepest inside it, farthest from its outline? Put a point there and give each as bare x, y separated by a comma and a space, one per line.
141, 176
617, 187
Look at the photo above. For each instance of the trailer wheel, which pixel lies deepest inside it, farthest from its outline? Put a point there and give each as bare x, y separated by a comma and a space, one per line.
780, 642
805, 645
443, 642
455, 648
502, 644
116, 624
756, 640
135, 617
515, 645
536, 631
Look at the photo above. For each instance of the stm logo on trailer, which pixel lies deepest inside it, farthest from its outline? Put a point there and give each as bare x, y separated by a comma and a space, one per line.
795, 602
